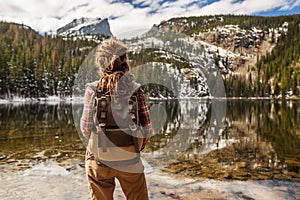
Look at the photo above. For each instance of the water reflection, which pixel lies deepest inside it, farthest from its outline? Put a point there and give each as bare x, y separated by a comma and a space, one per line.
259, 140
188, 124
256, 139
274, 122
29, 129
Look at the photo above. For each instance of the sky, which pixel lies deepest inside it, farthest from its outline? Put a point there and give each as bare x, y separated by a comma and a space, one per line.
132, 15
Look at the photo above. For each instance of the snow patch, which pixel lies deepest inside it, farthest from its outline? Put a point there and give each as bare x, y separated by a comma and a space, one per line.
50, 168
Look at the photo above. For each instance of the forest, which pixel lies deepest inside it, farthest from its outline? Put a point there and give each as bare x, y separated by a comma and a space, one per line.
34, 65
276, 74
279, 71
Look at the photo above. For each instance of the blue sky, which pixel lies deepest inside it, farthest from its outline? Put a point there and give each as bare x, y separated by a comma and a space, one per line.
130, 15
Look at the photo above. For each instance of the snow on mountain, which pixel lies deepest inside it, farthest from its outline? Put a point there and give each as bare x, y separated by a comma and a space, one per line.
175, 61
86, 27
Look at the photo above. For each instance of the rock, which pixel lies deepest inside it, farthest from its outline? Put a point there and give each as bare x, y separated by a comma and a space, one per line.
241, 164
292, 161
294, 175
86, 26
2, 157
282, 188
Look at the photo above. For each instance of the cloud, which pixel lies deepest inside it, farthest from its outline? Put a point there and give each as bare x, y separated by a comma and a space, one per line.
78, 7
127, 16
290, 5
240, 7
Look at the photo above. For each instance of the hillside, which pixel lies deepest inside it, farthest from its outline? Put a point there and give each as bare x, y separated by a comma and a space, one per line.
256, 56
239, 42
34, 66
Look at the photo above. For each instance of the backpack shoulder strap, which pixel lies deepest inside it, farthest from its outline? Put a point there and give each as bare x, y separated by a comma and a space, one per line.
100, 116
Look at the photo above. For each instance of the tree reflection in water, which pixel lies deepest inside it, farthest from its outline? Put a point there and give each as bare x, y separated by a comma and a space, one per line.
27, 129
257, 139
260, 140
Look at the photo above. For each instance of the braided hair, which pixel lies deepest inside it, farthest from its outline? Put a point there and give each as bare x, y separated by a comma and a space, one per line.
111, 58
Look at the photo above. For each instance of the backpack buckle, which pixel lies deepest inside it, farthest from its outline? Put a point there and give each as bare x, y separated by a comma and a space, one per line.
132, 127
102, 124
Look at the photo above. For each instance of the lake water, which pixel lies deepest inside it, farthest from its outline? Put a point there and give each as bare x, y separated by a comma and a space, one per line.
212, 139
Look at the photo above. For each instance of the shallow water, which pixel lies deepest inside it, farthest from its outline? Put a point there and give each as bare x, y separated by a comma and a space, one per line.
255, 144
66, 180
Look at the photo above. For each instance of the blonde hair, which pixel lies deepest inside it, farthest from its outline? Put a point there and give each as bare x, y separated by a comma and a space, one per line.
112, 62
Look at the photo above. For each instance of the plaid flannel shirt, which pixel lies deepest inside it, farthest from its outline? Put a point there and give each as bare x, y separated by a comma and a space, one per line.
87, 122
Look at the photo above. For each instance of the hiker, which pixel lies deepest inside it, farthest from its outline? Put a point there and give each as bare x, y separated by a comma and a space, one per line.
107, 159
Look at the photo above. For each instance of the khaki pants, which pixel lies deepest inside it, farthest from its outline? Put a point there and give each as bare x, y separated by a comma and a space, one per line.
101, 181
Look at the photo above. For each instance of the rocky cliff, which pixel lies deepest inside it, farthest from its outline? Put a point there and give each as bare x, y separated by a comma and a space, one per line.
86, 27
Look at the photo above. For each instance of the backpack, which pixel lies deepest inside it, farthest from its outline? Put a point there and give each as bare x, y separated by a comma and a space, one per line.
119, 137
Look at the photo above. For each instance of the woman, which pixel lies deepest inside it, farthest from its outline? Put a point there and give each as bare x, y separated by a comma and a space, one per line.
111, 59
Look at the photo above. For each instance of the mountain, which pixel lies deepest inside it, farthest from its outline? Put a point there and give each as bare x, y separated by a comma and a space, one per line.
36, 66
257, 56
86, 27
171, 65
254, 56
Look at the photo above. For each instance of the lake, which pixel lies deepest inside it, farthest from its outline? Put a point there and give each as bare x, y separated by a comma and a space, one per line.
201, 139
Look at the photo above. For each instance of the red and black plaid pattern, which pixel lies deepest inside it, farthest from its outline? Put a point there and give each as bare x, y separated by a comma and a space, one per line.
144, 116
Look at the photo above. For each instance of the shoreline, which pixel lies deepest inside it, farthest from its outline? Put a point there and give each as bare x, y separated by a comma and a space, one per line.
66, 180
55, 99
